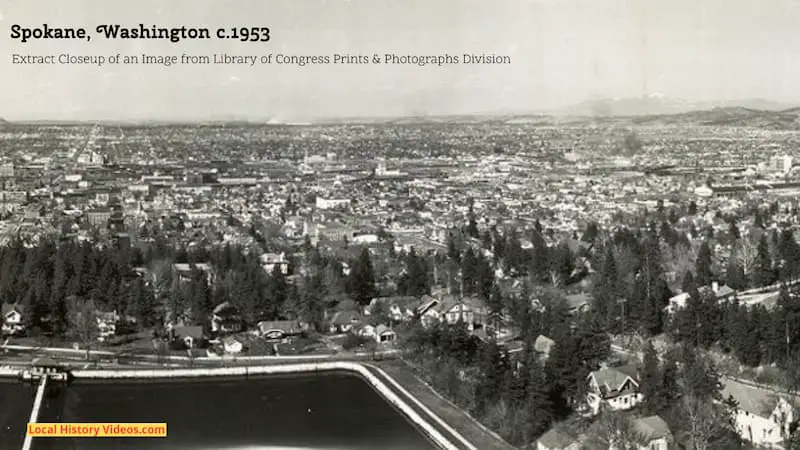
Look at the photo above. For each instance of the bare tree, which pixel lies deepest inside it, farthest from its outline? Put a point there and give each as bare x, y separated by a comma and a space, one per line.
615, 430
746, 253
83, 323
555, 278
678, 260
706, 421
161, 278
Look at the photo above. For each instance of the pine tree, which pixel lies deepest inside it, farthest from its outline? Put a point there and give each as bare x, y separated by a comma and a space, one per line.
472, 224
606, 291
734, 275
651, 381
758, 220
704, 274
733, 230
789, 254
362, 279
692, 208
469, 271
495, 305
763, 275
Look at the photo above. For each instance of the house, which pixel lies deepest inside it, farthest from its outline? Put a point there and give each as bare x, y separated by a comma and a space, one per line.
278, 329
543, 346
226, 319
555, 439
98, 217
720, 292
398, 309
714, 290
367, 331
451, 311
13, 318
653, 433
344, 321
183, 272
426, 303
578, 303
269, 261
761, 417
232, 345
677, 302
616, 388
45, 365
191, 336
106, 325
384, 334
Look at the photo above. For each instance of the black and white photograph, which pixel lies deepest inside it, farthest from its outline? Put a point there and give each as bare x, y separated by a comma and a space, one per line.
400, 225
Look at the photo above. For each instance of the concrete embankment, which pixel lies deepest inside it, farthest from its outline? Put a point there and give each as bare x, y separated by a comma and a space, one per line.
9, 372
444, 437
452, 435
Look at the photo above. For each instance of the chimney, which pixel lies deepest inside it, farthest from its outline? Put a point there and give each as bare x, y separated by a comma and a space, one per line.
715, 286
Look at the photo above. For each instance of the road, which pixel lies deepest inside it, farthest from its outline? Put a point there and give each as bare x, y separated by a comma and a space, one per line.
23, 355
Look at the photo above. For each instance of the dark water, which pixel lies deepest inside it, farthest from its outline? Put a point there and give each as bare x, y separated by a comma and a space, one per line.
326, 411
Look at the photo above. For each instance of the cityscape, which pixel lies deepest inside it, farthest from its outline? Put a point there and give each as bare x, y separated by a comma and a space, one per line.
563, 282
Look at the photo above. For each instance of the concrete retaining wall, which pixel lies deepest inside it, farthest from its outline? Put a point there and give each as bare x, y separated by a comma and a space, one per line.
359, 369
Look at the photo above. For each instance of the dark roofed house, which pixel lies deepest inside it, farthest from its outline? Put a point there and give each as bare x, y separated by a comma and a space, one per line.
616, 388
556, 440
45, 365
279, 329
344, 321
226, 319
653, 433
183, 272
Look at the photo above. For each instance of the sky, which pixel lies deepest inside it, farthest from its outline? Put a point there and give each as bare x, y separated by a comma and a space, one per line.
562, 52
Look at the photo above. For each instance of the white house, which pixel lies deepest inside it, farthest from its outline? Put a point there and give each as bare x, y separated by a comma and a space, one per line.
106, 324
543, 346
13, 318
720, 292
366, 239
232, 346
398, 309
450, 311
269, 261
761, 417
384, 334
677, 302
616, 388
367, 331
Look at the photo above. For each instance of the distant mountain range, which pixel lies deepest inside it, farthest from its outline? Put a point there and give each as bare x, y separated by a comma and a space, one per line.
656, 104
653, 110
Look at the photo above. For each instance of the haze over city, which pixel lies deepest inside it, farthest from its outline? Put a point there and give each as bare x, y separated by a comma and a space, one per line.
563, 53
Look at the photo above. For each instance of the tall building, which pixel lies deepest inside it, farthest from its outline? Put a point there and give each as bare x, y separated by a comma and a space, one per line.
781, 164
7, 170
